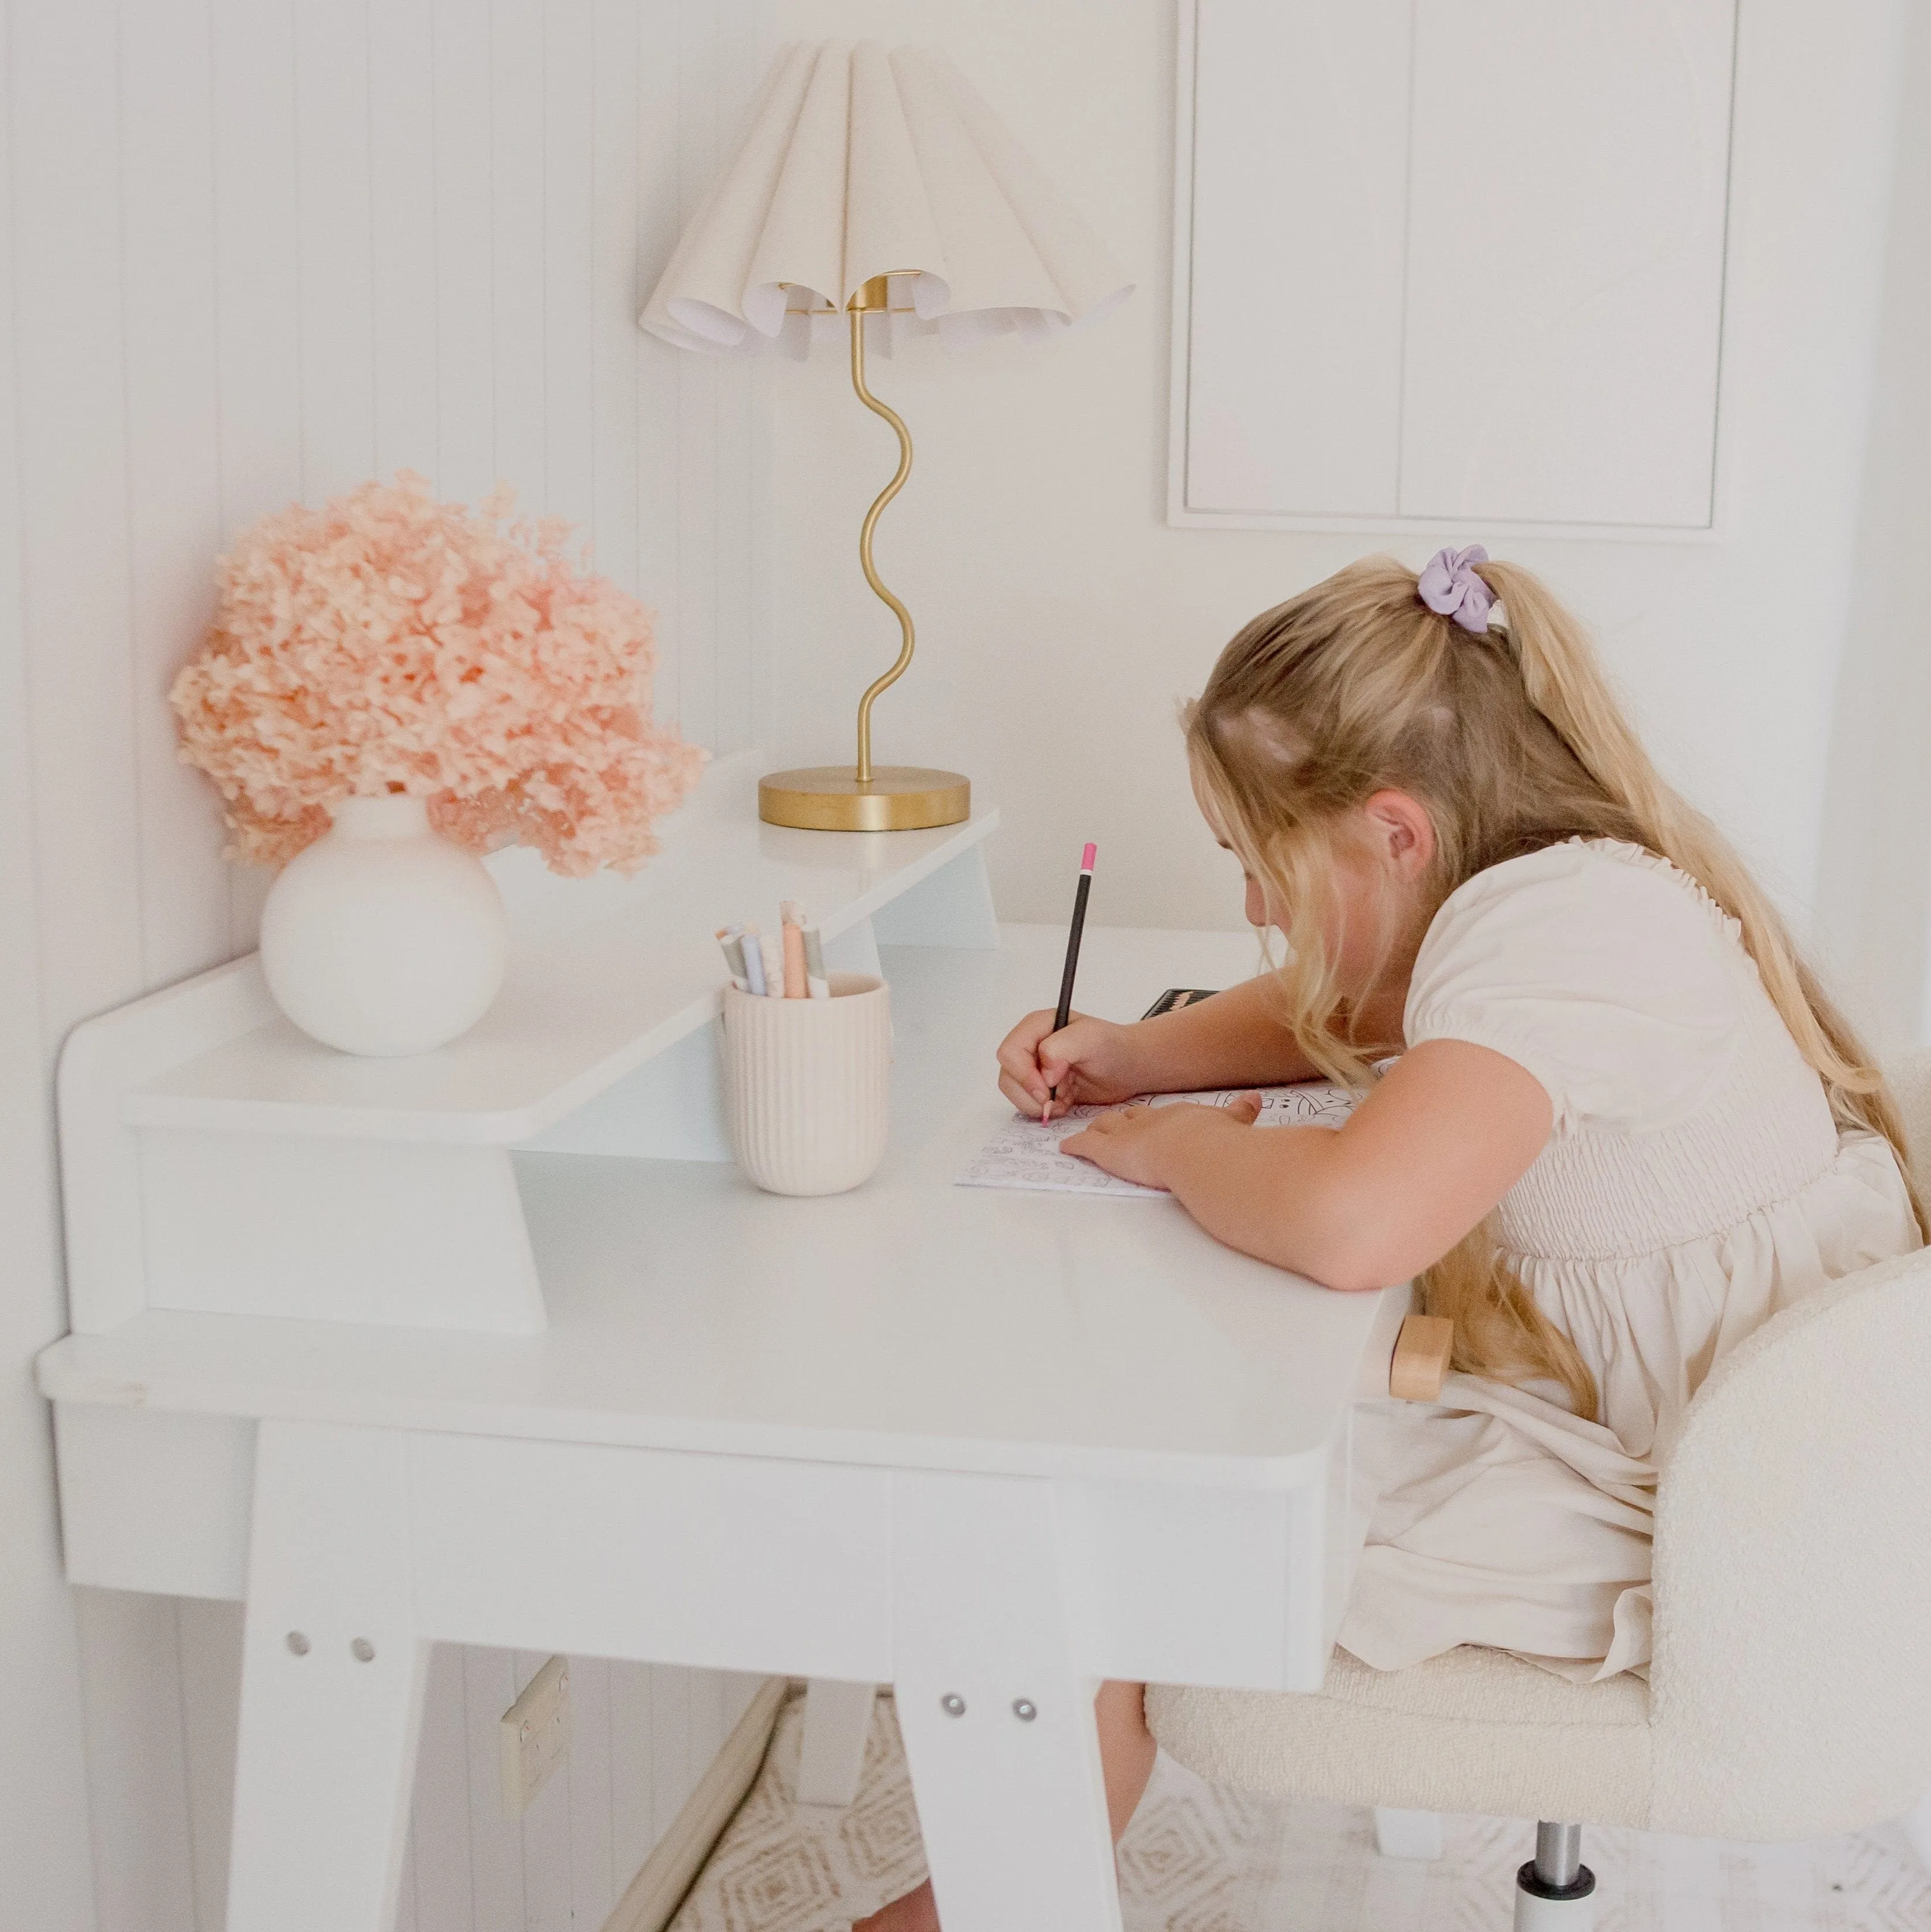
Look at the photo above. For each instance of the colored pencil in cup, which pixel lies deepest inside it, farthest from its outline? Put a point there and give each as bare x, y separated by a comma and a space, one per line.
731, 938
816, 986
793, 914
772, 949
754, 960
1065, 1010
817, 982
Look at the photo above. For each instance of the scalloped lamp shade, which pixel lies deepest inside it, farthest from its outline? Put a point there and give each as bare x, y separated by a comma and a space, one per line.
861, 162
870, 182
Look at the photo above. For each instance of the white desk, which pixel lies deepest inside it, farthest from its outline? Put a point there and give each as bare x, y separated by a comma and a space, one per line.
979, 1445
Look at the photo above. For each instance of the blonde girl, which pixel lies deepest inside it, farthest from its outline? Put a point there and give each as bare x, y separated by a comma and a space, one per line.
1625, 1127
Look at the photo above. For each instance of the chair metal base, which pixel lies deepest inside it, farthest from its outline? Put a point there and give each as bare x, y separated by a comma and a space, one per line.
1555, 1891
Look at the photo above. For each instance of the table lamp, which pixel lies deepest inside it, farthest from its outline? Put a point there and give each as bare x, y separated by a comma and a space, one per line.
875, 181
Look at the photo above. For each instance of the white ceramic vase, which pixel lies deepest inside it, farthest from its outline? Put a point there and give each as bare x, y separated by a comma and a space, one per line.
382, 938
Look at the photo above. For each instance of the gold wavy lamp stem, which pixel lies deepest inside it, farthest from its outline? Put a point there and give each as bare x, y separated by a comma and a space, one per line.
869, 798
872, 296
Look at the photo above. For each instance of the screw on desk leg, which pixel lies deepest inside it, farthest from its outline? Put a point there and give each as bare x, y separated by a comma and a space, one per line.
1014, 1814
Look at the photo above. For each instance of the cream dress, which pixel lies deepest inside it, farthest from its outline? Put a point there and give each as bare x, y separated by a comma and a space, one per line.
1694, 1185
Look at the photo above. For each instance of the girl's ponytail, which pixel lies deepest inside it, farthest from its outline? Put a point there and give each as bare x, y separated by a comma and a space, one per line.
1564, 682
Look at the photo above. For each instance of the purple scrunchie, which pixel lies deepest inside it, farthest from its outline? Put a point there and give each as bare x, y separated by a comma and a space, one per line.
1449, 585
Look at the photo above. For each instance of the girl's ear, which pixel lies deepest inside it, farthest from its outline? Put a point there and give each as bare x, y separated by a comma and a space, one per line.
1402, 834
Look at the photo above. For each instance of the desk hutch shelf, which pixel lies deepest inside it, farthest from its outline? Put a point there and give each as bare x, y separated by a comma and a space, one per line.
217, 1159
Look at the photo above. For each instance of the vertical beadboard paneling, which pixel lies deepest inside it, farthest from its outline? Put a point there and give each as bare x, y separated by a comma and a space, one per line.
465, 418
670, 1695
698, 384
616, 346
257, 296
43, 1793
735, 82
496, 1843
258, 264
334, 233
143, 1866
660, 370
569, 226
547, 1902
707, 1724
732, 681
643, 1736
632, 1798
696, 559
516, 210
259, 250
440, 1816
402, 231
210, 1639
174, 462
73, 503
593, 1889
757, 646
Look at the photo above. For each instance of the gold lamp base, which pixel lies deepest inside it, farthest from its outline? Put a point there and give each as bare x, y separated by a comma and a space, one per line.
897, 798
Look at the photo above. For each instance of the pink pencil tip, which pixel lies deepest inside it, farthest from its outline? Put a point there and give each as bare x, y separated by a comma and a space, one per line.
1086, 858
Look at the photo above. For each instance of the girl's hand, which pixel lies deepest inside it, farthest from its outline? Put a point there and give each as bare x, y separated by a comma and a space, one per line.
1137, 1143
1087, 1060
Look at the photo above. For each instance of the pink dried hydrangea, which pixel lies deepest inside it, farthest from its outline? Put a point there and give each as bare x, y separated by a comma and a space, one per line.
390, 643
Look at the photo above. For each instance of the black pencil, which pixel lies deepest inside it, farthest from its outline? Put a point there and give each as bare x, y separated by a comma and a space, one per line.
1065, 1011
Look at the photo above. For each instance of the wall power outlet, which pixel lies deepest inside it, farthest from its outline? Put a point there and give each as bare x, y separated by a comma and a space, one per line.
533, 1735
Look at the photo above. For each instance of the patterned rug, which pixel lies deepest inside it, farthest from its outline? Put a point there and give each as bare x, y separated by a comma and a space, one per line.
1197, 1859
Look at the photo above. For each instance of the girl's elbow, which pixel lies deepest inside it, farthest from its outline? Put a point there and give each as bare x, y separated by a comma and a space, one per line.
1356, 1274
1351, 1251
1339, 1233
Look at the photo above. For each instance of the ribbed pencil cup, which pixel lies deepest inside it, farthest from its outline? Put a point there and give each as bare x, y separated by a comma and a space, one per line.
806, 1085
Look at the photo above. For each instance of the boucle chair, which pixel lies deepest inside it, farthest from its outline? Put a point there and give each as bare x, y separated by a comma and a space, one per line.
1790, 1694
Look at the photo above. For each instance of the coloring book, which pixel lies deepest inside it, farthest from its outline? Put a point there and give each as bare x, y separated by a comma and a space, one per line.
1024, 1154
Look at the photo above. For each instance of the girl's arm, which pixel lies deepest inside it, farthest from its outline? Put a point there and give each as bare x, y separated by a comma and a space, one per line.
1234, 1039
1422, 1160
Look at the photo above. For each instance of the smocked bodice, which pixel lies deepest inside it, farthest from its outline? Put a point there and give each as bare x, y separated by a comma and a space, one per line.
1761, 1133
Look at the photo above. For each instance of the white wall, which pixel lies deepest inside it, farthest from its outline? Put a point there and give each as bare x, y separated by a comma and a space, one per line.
43, 1842
258, 250
1874, 883
1061, 618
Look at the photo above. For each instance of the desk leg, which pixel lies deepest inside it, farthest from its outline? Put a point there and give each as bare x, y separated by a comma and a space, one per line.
331, 1685
996, 1717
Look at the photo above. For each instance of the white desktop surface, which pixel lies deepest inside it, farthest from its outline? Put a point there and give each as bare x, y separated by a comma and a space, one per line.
912, 1323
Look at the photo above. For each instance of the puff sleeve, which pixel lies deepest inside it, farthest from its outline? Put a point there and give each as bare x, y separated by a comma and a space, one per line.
1599, 968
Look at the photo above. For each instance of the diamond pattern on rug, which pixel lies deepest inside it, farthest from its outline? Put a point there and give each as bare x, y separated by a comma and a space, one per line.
1198, 1859
781, 1868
